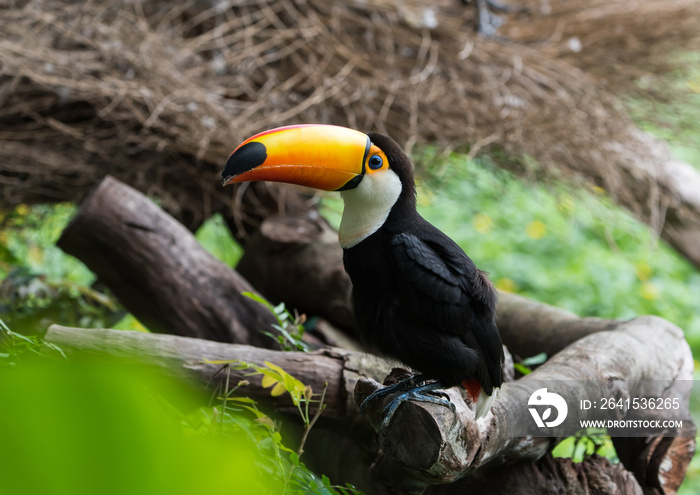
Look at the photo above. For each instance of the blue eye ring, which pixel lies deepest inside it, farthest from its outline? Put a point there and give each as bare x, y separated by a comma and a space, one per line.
375, 162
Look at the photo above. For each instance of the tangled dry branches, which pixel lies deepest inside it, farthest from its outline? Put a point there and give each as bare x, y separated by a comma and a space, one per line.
157, 93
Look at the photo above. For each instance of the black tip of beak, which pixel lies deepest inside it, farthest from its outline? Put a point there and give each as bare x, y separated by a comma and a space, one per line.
245, 158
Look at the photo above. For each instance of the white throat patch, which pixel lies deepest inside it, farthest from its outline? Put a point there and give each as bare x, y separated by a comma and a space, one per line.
367, 206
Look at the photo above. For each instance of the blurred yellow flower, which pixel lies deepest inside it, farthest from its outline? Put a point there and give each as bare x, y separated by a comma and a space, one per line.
35, 254
649, 291
643, 271
536, 229
482, 223
506, 284
22, 209
565, 203
694, 86
425, 195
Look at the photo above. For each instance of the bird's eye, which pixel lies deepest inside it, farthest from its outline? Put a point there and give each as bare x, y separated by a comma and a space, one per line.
375, 162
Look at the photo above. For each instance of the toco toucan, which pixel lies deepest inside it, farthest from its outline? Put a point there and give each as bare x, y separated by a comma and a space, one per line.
417, 296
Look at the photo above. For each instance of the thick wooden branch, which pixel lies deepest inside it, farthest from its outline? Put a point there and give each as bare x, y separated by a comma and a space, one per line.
187, 358
618, 364
159, 271
529, 327
440, 450
293, 251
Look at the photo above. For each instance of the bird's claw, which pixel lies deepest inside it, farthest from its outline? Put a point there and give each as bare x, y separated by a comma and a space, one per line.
412, 390
401, 386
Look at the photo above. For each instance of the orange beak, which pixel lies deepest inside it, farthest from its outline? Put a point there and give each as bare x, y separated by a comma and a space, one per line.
321, 156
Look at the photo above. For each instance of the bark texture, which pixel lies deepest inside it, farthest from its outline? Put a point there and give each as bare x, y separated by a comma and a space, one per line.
159, 271
619, 364
302, 250
444, 447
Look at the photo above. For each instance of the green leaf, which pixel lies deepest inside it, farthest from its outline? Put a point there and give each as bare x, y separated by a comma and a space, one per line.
279, 309
278, 390
269, 381
522, 368
258, 298
536, 359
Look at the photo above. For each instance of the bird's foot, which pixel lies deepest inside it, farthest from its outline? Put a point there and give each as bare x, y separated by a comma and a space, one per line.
414, 388
400, 386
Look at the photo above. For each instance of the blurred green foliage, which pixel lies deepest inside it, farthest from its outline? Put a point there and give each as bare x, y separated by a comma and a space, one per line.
85, 425
581, 446
93, 426
40, 284
216, 238
27, 238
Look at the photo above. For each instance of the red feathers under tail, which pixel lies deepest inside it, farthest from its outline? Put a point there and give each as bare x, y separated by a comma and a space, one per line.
481, 401
473, 387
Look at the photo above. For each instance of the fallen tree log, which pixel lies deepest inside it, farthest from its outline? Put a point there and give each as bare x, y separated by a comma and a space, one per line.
289, 251
439, 450
159, 271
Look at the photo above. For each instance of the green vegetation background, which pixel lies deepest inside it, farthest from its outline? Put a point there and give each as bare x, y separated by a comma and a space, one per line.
560, 243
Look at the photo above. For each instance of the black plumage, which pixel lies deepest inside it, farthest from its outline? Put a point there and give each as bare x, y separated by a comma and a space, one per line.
419, 298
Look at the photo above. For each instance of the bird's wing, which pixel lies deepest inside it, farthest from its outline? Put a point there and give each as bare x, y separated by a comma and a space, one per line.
431, 284
442, 284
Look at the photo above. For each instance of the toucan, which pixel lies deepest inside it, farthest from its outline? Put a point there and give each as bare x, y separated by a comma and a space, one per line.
417, 297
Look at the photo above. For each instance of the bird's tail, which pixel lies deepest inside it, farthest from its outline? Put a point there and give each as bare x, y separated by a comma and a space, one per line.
482, 400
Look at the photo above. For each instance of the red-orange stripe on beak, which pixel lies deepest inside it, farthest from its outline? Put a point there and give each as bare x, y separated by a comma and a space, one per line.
321, 156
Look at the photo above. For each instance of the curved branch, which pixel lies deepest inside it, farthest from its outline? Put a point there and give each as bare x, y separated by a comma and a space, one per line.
439, 449
618, 364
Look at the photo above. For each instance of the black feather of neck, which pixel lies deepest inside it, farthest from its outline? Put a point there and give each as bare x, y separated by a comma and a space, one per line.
402, 166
